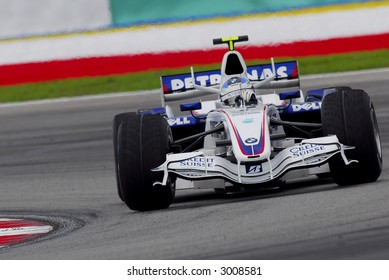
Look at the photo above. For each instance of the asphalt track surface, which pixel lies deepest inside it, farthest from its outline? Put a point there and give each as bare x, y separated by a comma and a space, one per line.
56, 160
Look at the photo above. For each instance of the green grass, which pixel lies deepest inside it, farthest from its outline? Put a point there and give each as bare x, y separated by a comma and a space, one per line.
150, 79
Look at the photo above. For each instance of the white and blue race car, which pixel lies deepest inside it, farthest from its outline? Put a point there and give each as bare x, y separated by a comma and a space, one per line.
254, 134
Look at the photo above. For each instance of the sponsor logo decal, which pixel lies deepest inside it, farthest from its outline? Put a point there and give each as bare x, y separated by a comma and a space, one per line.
251, 140
244, 114
306, 107
203, 80
198, 162
253, 169
306, 149
179, 121
215, 79
246, 121
210, 78
230, 95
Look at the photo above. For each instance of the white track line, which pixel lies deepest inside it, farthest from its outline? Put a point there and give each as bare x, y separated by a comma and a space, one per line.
78, 98
377, 73
373, 72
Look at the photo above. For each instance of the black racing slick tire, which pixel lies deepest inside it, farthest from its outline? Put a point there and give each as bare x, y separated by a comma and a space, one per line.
117, 120
350, 115
142, 144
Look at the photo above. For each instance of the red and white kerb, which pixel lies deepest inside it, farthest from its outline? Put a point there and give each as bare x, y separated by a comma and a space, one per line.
13, 231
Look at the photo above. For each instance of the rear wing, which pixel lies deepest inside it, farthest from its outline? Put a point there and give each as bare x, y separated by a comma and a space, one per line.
286, 76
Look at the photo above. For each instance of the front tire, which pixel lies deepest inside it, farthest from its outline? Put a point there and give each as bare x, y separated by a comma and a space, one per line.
350, 115
143, 142
117, 120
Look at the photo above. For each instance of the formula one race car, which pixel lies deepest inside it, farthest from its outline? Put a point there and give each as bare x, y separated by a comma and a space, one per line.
252, 136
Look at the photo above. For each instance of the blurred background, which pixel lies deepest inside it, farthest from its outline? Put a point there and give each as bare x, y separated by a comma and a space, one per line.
54, 47
20, 18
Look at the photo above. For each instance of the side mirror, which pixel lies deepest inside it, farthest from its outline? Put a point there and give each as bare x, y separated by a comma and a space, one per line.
190, 106
289, 95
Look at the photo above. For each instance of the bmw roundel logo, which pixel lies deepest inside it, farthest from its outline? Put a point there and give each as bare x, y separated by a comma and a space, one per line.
251, 140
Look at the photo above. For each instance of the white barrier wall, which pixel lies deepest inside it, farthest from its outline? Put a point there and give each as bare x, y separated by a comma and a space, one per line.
37, 17
273, 30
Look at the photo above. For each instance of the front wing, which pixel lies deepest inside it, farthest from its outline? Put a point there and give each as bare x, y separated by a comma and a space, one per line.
200, 166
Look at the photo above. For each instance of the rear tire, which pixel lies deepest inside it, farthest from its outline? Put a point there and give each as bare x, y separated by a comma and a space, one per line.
142, 144
350, 115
